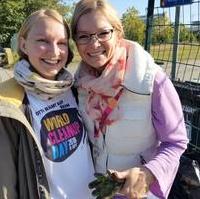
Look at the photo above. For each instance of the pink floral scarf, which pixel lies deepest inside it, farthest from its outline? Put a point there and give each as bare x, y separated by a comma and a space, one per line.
104, 91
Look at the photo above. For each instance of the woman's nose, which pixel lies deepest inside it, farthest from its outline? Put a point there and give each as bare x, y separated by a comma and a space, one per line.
95, 41
54, 49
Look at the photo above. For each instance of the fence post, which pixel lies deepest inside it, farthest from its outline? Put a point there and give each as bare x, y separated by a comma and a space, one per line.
175, 42
149, 24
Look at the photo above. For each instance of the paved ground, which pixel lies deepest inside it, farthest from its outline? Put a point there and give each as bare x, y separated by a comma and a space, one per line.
185, 71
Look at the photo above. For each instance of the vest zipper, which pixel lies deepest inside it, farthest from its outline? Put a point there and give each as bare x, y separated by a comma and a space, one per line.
105, 149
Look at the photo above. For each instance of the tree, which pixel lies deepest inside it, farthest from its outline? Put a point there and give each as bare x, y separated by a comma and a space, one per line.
13, 13
162, 29
186, 35
134, 27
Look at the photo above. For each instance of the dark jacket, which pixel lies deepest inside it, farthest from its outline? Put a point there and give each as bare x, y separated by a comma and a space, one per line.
22, 174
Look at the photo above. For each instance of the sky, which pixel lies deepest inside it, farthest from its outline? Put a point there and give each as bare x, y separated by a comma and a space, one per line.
188, 13
122, 5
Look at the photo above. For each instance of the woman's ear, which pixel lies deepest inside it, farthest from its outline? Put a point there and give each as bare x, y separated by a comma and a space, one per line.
22, 45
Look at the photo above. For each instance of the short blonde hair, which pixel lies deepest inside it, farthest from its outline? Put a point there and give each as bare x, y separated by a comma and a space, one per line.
87, 6
32, 19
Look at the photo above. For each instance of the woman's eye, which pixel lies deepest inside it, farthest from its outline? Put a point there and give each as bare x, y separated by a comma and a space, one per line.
104, 33
42, 40
62, 43
83, 37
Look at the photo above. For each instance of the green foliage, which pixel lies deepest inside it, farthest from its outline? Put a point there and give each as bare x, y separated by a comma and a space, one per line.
163, 30
134, 27
186, 34
197, 36
105, 185
13, 13
11, 16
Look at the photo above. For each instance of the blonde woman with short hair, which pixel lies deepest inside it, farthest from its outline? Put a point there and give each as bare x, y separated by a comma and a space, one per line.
132, 111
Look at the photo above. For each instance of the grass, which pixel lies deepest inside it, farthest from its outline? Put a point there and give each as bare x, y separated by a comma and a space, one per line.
185, 52
162, 52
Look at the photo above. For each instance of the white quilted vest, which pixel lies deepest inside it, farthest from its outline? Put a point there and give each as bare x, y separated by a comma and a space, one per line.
133, 136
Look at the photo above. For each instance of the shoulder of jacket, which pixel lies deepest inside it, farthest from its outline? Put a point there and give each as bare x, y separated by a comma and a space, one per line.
140, 71
11, 92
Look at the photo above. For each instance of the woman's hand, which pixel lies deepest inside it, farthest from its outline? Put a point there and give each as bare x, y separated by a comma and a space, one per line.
137, 182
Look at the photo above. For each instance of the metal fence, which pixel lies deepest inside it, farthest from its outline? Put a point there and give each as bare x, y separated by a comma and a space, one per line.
173, 39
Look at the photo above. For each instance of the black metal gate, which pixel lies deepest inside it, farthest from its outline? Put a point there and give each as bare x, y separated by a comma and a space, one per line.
173, 39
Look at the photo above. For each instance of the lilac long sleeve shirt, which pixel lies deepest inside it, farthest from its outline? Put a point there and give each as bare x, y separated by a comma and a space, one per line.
168, 120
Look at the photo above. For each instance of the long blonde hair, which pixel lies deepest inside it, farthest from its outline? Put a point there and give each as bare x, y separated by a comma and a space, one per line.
32, 19
87, 6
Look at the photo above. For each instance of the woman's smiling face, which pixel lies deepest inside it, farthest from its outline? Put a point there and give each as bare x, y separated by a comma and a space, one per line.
96, 53
46, 47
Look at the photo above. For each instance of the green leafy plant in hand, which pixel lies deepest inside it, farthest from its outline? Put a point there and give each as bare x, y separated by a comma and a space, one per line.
105, 185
